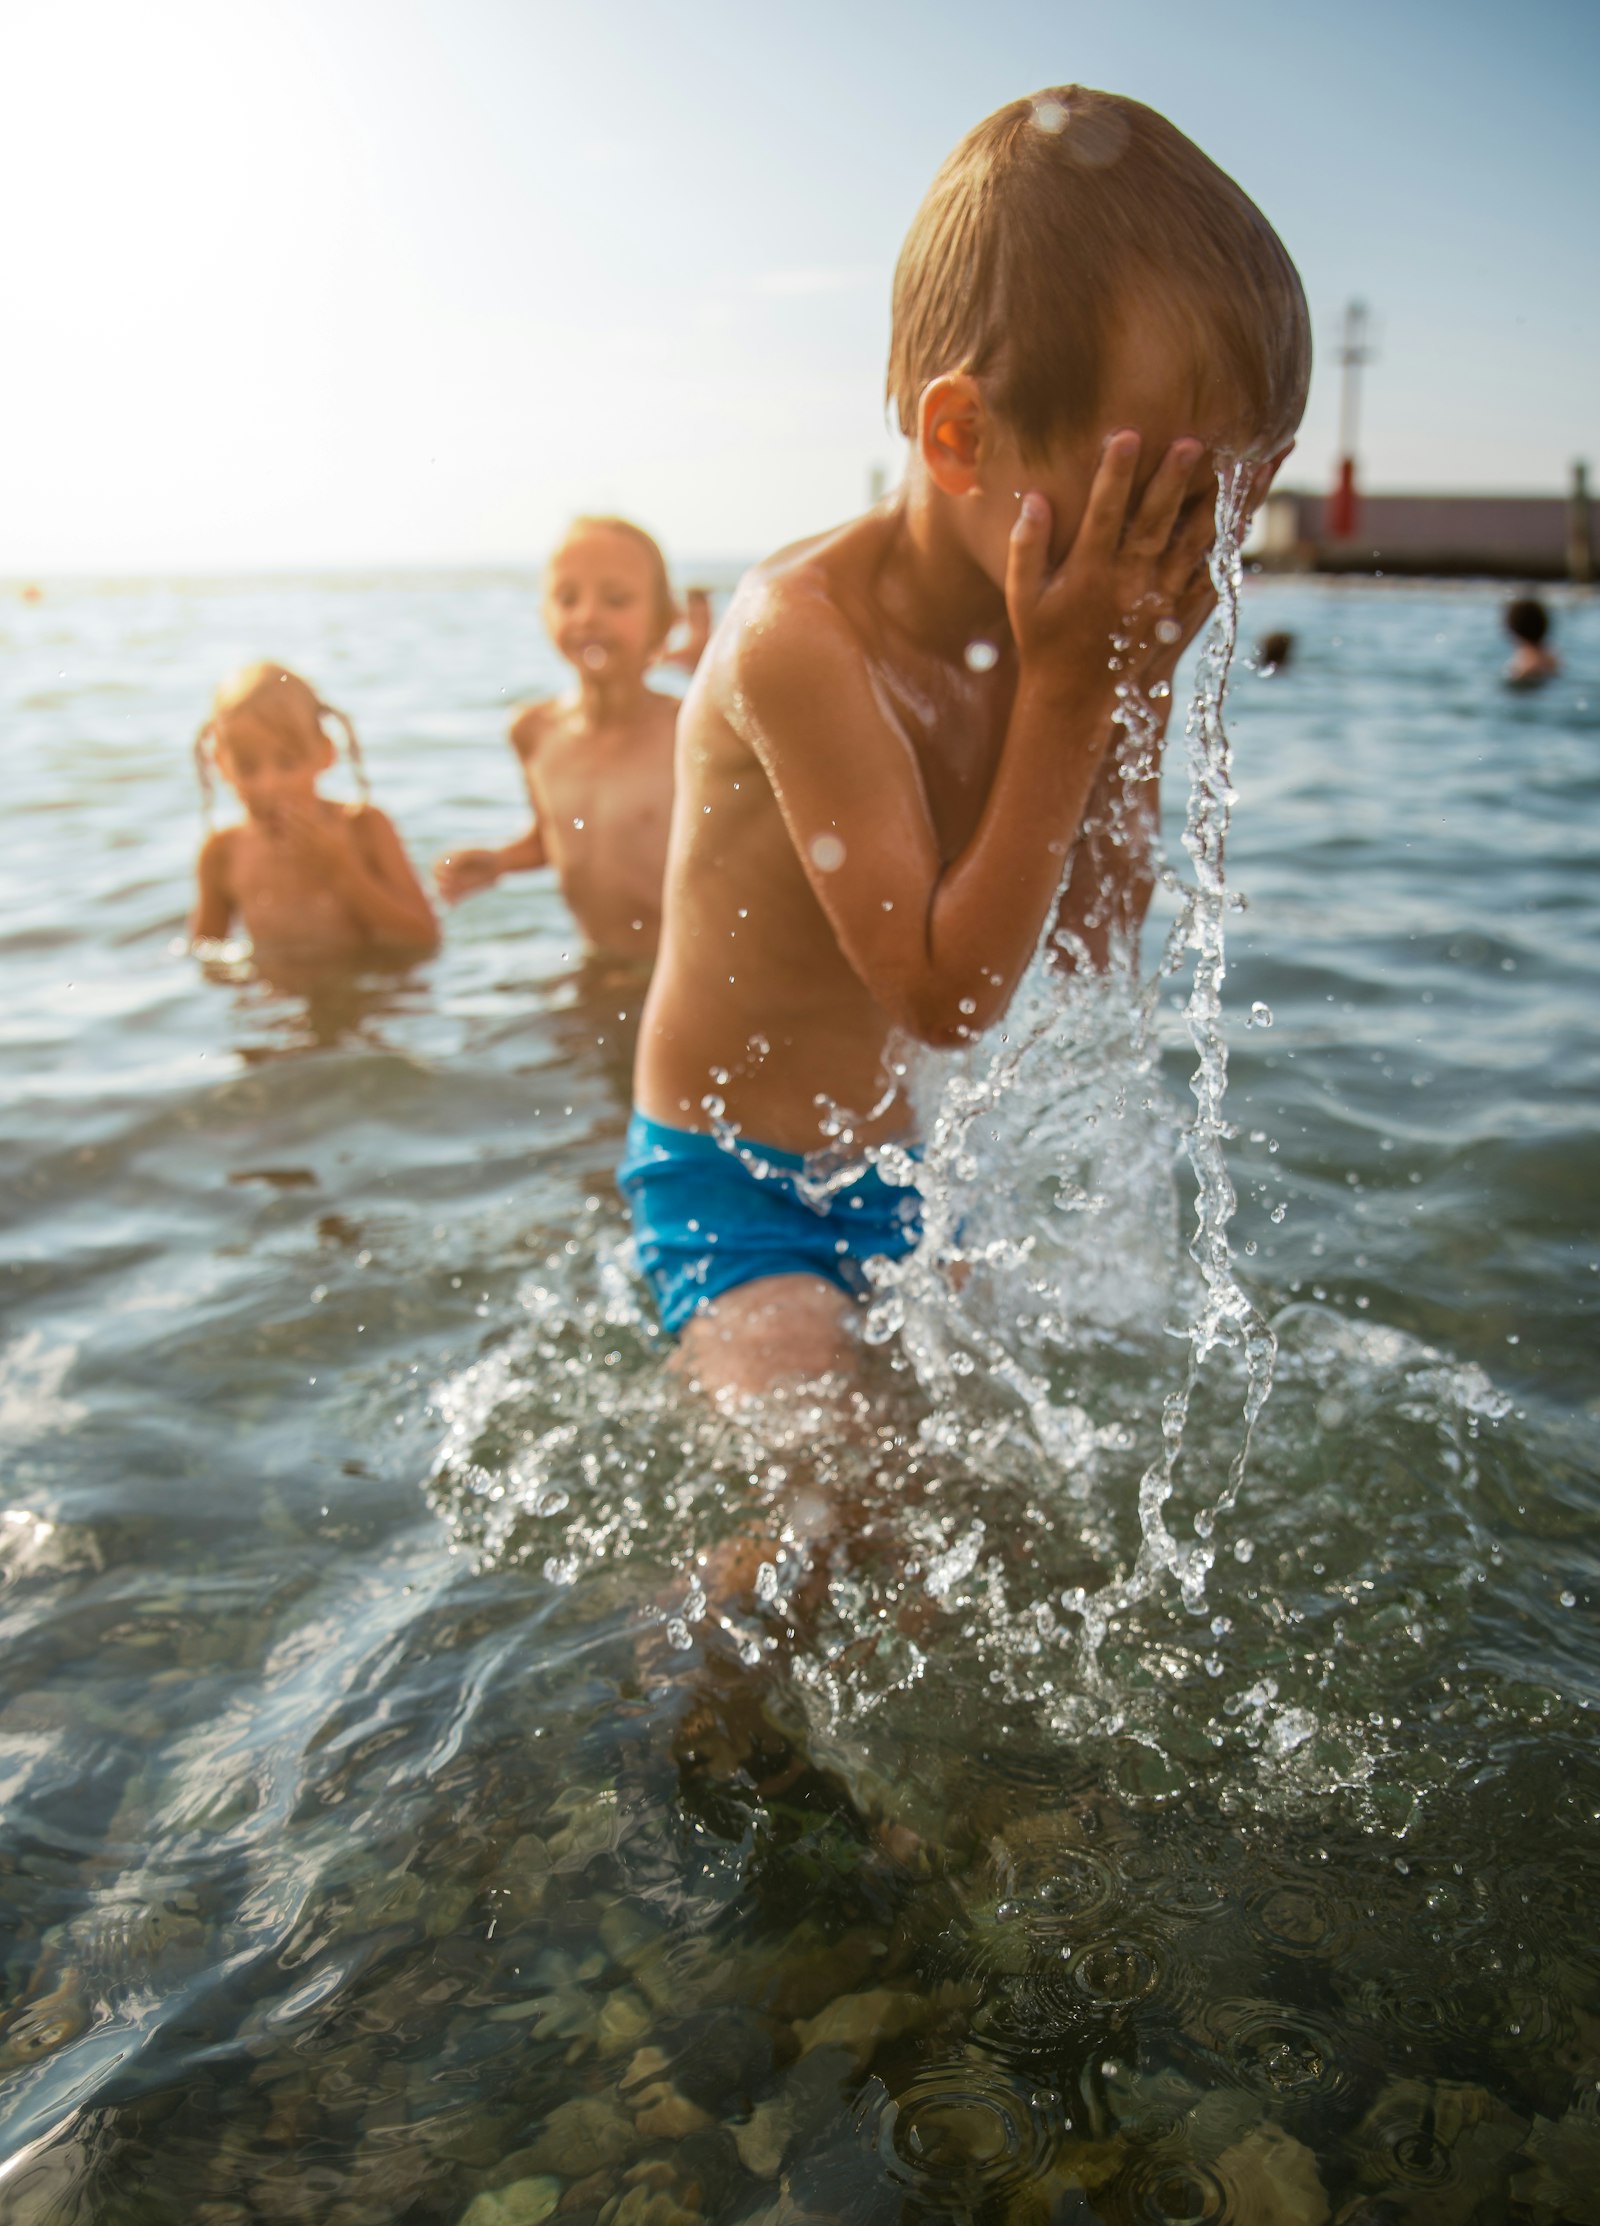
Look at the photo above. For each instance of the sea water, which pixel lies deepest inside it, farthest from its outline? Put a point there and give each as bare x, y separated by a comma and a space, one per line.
1135, 1832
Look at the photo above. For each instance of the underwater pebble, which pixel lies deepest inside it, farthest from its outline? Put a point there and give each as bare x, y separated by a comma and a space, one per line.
624, 2021
524, 2203
1082, 2166
809, 2096
763, 2140
1272, 2181
444, 1908
858, 2022
643, 2206
1457, 2135
628, 1932
589, 2134
648, 2064
586, 2194
1563, 2180
662, 2114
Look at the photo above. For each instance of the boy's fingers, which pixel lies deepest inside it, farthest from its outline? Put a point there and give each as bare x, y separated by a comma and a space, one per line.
1150, 529
1189, 546
1028, 554
1106, 512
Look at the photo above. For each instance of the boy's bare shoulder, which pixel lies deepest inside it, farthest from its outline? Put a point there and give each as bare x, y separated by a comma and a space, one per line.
805, 608
216, 852
367, 821
531, 724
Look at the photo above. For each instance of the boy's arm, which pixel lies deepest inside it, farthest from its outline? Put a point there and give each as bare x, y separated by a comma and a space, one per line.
362, 857
388, 897
941, 946
1112, 875
463, 873
213, 913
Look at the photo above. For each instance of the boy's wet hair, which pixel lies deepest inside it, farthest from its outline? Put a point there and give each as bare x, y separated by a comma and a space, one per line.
660, 585
280, 699
1528, 620
1050, 215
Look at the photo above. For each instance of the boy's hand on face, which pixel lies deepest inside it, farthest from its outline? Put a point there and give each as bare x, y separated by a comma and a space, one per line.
1196, 601
1120, 587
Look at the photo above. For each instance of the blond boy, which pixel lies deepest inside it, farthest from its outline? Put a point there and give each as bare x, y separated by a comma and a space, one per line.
891, 755
597, 761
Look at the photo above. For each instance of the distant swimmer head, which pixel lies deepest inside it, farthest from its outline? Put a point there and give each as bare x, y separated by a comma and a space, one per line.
1275, 652
1528, 620
1079, 267
608, 604
268, 737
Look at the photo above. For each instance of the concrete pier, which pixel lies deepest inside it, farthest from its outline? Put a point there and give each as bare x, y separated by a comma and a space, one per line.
1519, 537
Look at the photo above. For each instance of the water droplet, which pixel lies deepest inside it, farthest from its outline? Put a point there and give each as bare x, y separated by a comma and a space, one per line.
1260, 1015
1168, 630
827, 853
981, 656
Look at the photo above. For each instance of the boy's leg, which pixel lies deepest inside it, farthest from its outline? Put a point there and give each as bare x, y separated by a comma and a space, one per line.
778, 1329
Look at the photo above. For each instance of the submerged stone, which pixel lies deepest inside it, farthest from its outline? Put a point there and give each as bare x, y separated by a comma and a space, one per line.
523, 2203
1272, 2180
1560, 2184
860, 2022
808, 2097
1438, 2145
662, 2114
589, 2134
624, 2021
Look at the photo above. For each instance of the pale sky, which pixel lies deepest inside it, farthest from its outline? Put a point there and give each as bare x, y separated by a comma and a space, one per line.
409, 281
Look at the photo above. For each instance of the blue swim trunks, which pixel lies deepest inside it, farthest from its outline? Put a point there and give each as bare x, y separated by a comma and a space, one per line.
708, 1217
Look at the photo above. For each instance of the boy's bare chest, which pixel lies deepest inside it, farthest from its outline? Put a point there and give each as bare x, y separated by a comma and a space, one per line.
283, 895
955, 733
607, 794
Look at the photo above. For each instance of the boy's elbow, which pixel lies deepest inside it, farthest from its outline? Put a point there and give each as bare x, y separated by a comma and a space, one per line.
945, 1018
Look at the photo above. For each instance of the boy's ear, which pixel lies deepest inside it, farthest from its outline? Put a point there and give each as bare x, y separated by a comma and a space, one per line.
950, 427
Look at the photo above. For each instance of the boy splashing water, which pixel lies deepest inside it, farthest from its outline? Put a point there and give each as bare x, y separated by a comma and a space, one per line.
905, 729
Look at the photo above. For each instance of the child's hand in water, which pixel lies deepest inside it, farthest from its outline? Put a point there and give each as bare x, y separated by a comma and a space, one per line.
1127, 579
462, 873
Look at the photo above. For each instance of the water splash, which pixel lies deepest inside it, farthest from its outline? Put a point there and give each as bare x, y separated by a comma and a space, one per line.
1012, 1283
1227, 1317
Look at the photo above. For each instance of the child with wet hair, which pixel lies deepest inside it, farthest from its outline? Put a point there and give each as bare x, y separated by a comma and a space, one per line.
1533, 661
597, 761
299, 872
911, 748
